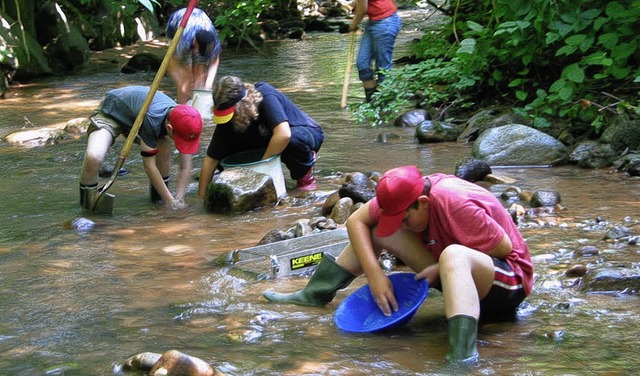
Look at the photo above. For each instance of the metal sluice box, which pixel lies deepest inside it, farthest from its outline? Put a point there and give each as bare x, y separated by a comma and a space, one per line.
286, 257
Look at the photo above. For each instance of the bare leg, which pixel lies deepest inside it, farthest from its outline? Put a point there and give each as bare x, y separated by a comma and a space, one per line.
466, 276
98, 145
182, 77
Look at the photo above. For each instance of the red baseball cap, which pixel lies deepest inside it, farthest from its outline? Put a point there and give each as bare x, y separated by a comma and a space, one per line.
397, 189
187, 127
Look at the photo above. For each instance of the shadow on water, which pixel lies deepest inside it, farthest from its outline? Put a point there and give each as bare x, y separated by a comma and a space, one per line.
79, 302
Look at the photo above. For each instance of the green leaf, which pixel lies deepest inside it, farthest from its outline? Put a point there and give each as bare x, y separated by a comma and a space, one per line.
601, 21
597, 58
558, 85
565, 93
590, 14
516, 82
608, 40
551, 37
475, 26
539, 122
566, 50
624, 50
562, 28
521, 95
573, 73
467, 46
620, 72
586, 44
614, 10
575, 40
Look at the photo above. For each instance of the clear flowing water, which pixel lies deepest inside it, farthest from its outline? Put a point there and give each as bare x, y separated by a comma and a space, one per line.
81, 302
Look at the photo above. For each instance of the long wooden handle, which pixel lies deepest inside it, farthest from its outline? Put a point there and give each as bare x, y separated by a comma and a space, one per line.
126, 148
347, 71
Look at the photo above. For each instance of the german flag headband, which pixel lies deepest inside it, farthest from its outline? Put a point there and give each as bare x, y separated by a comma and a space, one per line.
222, 113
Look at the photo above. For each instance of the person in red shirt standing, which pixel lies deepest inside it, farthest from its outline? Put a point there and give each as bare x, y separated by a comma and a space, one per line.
376, 47
454, 233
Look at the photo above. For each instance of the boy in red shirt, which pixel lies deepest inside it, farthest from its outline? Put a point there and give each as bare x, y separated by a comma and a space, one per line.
454, 233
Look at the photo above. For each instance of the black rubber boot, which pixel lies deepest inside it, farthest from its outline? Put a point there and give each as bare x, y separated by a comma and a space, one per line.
155, 196
368, 92
328, 278
463, 331
87, 193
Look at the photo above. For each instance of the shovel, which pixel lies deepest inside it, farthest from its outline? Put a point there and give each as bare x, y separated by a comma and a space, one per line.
347, 72
107, 207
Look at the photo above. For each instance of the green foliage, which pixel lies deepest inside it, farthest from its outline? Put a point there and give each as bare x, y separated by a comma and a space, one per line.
550, 60
240, 20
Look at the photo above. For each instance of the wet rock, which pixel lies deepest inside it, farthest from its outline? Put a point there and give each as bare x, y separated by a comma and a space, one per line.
273, 236
586, 251
612, 279
176, 363
473, 170
296, 33
499, 179
629, 163
526, 196
142, 362
77, 126
323, 223
477, 124
80, 224
412, 119
510, 193
592, 154
618, 232
238, 190
545, 199
623, 133
35, 137
357, 178
518, 145
330, 202
431, 131
342, 210
142, 62
577, 270
302, 227
357, 192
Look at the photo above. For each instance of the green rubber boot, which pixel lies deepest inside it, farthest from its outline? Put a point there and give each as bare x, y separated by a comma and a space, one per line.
87, 193
463, 331
328, 278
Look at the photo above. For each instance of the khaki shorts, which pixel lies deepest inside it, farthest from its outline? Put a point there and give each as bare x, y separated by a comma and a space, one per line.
101, 121
190, 58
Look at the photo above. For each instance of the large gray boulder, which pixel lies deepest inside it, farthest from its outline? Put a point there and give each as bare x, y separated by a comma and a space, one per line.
518, 145
238, 190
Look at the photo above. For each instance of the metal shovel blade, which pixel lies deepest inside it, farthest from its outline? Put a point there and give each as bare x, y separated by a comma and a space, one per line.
103, 206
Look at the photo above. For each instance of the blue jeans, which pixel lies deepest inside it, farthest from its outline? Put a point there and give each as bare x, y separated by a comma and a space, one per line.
377, 44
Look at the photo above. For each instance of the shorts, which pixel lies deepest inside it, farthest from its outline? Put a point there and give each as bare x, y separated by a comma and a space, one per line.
505, 295
101, 121
189, 58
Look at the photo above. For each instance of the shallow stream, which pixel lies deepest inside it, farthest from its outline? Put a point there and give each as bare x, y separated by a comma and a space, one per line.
80, 303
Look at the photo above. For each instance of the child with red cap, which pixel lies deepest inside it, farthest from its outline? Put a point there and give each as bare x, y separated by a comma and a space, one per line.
454, 233
164, 119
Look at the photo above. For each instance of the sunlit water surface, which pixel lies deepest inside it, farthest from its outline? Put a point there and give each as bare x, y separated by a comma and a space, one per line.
80, 302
